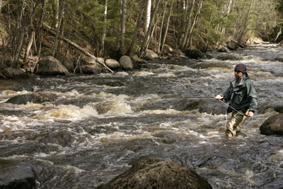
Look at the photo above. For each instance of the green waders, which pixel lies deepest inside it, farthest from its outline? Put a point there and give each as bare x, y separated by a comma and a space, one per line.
235, 123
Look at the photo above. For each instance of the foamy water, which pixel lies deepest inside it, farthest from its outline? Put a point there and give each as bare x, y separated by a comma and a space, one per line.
98, 124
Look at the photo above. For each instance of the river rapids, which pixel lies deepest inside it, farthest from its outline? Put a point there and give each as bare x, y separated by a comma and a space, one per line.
99, 124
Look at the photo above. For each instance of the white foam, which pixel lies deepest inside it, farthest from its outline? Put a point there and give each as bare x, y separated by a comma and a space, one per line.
67, 112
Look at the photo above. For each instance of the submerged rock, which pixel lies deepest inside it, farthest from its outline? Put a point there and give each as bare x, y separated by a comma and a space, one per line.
156, 173
273, 125
32, 97
14, 175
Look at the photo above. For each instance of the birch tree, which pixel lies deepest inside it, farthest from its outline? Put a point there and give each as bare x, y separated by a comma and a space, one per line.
104, 27
59, 26
148, 15
123, 24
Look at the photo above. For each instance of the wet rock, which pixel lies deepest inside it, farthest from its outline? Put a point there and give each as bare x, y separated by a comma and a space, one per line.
209, 106
150, 55
112, 63
229, 56
91, 68
278, 107
104, 107
204, 65
167, 50
232, 45
50, 66
223, 49
14, 175
32, 97
63, 138
10, 73
137, 59
126, 62
151, 172
273, 125
88, 60
194, 53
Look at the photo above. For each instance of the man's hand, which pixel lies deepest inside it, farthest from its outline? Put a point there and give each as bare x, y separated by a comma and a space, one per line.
249, 114
219, 97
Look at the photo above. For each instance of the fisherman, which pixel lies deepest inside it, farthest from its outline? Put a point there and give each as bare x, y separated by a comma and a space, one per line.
242, 99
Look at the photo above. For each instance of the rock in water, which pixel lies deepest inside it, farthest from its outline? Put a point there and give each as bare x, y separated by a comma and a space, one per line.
14, 175
273, 125
156, 173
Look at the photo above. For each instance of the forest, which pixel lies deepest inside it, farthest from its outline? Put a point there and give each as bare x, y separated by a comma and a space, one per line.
78, 33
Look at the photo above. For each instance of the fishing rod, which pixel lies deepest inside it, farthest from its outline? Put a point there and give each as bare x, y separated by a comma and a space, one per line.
209, 97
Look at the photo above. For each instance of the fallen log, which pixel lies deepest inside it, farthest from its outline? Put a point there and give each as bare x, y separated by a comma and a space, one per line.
73, 44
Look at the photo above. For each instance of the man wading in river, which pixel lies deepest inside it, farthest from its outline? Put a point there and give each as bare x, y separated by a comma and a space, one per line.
241, 96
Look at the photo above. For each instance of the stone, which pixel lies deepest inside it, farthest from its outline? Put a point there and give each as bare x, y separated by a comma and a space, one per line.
273, 125
32, 97
14, 175
149, 172
150, 55
126, 62
50, 66
112, 63
11, 73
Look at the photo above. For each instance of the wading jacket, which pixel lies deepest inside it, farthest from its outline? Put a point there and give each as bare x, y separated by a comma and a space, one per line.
241, 96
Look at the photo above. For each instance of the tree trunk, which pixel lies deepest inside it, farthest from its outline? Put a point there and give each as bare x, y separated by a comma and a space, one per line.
161, 27
194, 23
167, 25
59, 26
32, 36
73, 44
134, 37
226, 13
189, 25
104, 27
150, 29
123, 24
240, 33
148, 15
39, 27
19, 37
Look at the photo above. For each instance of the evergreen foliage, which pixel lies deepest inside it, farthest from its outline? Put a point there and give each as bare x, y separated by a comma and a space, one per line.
201, 24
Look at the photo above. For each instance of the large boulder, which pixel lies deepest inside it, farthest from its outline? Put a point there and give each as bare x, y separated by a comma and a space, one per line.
10, 73
50, 66
112, 63
14, 175
156, 173
273, 125
91, 68
194, 53
150, 55
126, 62
33, 97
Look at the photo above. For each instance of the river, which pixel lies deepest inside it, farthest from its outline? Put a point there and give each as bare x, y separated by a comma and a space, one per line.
99, 124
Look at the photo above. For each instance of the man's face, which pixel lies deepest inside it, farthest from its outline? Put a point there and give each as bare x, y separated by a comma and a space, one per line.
238, 75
